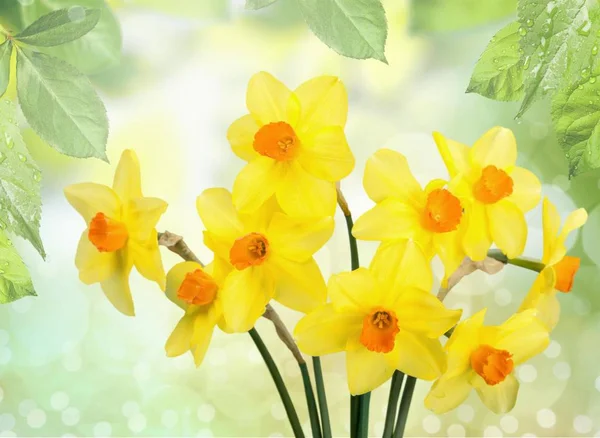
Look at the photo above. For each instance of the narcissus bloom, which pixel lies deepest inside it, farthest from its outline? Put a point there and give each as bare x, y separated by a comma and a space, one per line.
404, 210
295, 145
484, 358
560, 269
384, 318
197, 291
495, 193
271, 253
120, 233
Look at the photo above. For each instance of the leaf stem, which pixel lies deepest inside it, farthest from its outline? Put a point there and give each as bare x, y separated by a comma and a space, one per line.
313, 412
363, 415
392, 407
279, 383
409, 389
322, 396
523, 262
353, 416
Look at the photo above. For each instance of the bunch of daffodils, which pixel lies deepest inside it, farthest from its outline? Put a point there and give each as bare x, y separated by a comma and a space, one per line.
385, 318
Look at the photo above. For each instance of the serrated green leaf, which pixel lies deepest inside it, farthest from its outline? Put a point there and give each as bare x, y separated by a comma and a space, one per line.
61, 105
560, 41
98, 50
499, 72
576, 119
15, 281
258, 4
356, 29
60, 27
449, 15
20, 201
5, 52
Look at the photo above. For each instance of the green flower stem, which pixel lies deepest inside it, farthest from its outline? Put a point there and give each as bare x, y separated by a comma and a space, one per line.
363, 415
353, 415
322, 397
311, 402
392, 407
409, 389
279, 383
532, 265
354, 260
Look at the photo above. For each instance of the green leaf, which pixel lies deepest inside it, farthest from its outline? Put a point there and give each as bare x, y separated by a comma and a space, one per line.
60, 27
98, 50
20, 201
576, 119
357, 29
499, 71
15, 281
560, 42
449, 15
61, 105
258, 4
5, 52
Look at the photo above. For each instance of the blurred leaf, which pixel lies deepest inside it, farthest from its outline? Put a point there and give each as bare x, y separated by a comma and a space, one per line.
60, 27
448, 15
20, 178
499, 71
258, 4
10, 16
78, 125
15, 281
356, 29
94, 52
5, 52
197, 9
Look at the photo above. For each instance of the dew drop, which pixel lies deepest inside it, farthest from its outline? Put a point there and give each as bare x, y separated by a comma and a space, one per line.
522, 31
546, 28
593, 80
584, 29
527, 62
37, 176
1, 271
9, 141
543, 42
495, 60
520, 51
580, 87
22, 157
551, 9
529, 23
595, 50
585, 73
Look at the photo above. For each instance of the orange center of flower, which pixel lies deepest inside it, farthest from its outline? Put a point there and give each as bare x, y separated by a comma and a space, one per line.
442, 211
379, 331
250, 250
492, 364
106, 234
277, 140
493, 185
198, 288
565, 271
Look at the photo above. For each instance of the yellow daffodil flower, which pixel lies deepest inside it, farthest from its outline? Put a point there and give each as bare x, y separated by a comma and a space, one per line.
295, 146
271, 253
404, 210
384, 317
197, 291
120, 233
560, 269
495, 193
484, 357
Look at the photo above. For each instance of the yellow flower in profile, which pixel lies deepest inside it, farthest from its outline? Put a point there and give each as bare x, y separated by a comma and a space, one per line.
560, 269
384, 318
295, 146
197, 291
271, 255
484, 358
404, 210
120, 233
495, 193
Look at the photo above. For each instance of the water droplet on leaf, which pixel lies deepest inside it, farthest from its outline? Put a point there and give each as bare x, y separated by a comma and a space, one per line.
529, 23
522, 31
594, 50
593, 80
37, 176
22, 157
585, 73
584, 29
527, 62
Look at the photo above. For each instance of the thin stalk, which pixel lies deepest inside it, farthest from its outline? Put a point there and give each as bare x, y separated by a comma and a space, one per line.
313, 413
279, 383
363, 415
409, 389
392, 408
523, 262
322, 396
353, 416
354, 261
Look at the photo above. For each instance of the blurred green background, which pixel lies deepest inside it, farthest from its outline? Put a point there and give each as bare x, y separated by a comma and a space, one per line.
71, 365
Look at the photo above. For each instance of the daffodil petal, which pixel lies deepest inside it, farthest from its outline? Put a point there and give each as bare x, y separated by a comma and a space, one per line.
574, 221
388, 220
180, 340
527, 189
326, 331
447, 394
204, 325
142, 215
326, 155
508, 227
523, 335
175, 277
551, 228
298, 239
454, 154
302, 195
366, 370
450, 250
256, 183
268, 99
241, 137
354, 291
499, 398
300, 285
323, 102
116, 286
417, 356
542, 298
127, 182
147, 260
464, 340
94, 266
387, 175
90, 198
476, 238
497, 147
245, 295
218, 245
216, 210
